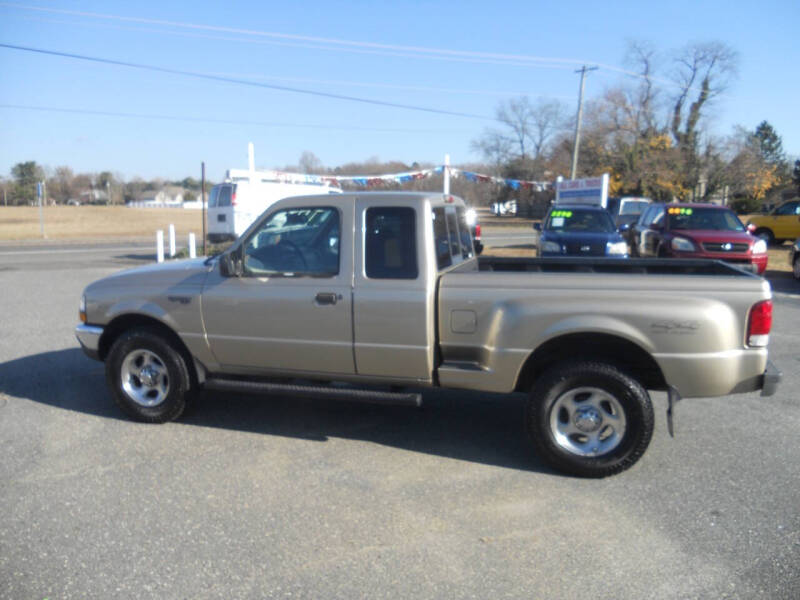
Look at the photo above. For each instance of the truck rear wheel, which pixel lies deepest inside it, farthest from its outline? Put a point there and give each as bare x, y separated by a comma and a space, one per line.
147, 376
589, 419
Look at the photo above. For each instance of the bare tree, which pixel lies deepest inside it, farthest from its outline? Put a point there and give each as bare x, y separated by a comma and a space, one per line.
527, 130
703, 72
309, 162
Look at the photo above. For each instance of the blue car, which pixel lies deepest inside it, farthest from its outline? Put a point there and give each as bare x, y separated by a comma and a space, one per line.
580, 231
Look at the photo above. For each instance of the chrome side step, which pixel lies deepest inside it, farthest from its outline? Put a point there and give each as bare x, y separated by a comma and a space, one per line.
315, 391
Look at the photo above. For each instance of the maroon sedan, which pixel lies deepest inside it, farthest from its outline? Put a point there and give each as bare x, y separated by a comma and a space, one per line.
696, 231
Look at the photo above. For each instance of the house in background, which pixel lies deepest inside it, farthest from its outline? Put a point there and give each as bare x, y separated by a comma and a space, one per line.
169, 196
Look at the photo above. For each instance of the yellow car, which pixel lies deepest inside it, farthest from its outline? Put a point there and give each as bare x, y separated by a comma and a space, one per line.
783, 223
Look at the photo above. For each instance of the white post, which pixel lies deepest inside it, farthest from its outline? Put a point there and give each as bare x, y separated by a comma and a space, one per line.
171, 240
192, 244
251, 158
446, 174
160, 245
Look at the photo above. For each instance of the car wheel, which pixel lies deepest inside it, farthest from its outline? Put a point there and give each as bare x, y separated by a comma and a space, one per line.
796, 267
589, 419
148, 376
766, 235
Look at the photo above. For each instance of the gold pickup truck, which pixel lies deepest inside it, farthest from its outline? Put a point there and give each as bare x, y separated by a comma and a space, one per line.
377, 296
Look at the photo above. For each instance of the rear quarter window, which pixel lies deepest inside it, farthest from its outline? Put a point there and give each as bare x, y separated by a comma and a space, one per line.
390, 248
441, 239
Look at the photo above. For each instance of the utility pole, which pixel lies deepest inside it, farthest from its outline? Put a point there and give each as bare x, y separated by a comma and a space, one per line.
583, 70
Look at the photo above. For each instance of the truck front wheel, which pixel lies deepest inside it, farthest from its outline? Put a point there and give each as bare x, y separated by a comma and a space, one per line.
147, 376
589, 419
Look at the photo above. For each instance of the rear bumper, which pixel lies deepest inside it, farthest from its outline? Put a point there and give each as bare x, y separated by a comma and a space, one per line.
89, 338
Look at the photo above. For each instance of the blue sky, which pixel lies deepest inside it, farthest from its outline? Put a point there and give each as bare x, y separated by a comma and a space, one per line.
282, 124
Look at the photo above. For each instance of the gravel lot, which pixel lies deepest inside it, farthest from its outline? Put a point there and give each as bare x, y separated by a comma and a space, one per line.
252, 497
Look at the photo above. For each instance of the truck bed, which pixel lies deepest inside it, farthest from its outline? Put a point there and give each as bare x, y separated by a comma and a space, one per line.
646, 266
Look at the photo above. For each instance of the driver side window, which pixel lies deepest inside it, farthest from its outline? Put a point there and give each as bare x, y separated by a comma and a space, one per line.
295, 241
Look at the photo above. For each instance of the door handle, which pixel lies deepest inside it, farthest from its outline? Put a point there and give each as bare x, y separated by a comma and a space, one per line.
327, 298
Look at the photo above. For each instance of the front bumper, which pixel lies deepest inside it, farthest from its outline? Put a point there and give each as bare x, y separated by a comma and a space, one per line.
89, 338
755, 263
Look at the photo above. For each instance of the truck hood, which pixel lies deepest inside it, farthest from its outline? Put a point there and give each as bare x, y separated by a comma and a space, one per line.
192, 271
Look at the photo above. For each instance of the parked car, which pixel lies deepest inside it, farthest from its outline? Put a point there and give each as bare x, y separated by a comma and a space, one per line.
696, 231
384, 291
579, 230
794, 259
782, 224
627, 210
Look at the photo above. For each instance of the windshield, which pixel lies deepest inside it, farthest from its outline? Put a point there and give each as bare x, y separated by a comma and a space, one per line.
712, 219
580, 220
633, 207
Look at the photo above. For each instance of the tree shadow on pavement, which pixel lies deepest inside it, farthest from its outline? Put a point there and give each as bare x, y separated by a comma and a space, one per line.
470, 426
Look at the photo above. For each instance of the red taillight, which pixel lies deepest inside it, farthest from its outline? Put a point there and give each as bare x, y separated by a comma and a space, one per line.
233, 199
759, 323
477, 232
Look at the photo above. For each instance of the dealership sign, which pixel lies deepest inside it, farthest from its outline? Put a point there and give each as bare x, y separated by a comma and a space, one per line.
593, 190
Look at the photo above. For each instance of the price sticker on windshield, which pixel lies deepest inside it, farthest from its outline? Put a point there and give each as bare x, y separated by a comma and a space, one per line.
680, 211
563, 214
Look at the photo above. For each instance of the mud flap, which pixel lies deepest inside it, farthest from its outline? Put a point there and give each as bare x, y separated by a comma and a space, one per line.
673, 397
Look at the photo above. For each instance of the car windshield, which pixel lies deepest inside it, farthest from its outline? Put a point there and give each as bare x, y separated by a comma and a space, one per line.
712, 219
577, 219
633, 207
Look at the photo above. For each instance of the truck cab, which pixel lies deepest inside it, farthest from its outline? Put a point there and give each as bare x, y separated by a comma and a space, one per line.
344, 288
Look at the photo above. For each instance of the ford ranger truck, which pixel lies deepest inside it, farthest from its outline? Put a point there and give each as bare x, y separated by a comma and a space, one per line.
378, 296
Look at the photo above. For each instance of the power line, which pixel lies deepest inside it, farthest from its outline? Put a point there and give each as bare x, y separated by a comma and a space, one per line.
297, 37
354, 45
290, 44
281, 88
104, 113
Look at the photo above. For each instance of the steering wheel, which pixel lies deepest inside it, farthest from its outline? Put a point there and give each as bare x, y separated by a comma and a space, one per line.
288, 245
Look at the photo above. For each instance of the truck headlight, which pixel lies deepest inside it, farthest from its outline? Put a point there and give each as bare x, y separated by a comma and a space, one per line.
617, 248
551, 247
82, 309
760, 247
680, 244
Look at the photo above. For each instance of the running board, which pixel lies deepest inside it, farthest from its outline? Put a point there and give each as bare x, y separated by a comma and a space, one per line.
315, 391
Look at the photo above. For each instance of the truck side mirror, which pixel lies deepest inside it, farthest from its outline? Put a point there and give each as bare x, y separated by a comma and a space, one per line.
230, 264
624, 227
537, 226
751, 227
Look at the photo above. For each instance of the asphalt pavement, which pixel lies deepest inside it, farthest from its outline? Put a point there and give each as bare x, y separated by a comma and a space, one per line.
267, 497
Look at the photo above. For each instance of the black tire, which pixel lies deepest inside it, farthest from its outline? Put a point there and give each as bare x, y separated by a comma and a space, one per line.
546, 411
172, 376
766, 235
662, 252
796, 268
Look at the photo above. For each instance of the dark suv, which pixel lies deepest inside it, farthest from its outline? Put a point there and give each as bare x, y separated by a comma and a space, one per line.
696, 231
